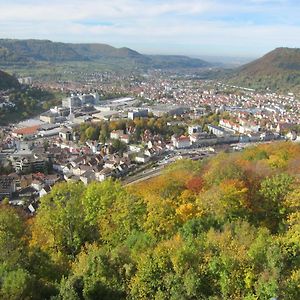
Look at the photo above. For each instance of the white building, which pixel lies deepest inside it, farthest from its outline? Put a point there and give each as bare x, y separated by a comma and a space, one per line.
181, 142
116, 134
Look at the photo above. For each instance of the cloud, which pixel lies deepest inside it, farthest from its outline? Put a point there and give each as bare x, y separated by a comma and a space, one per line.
251, 26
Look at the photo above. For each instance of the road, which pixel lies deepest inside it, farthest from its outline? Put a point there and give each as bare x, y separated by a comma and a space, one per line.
144, 176
168, 159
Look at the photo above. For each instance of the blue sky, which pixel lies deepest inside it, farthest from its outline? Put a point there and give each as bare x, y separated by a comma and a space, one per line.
192, 27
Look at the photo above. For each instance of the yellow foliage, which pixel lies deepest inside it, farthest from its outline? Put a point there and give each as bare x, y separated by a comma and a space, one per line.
188, 211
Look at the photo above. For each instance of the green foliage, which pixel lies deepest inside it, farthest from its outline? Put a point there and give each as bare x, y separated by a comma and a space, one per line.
11, 232
119, 146
101, 130
51, 59
277, 70
224, 229
7, 81
99, 198
98, 274
273, 191
60, 225
28, 102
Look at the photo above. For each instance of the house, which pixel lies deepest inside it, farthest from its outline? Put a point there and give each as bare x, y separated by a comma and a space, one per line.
94, 146
29, 192
78, 170
142, 158
195, 137
37, 184
125, 138
116, 134
104, 174
150, 152
281, 127
135, 148
291, 135
44, 191
65, 134
181, 142
88, 177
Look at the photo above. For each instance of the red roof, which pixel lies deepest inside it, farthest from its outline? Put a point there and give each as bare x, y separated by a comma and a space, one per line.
183, 138
27, 130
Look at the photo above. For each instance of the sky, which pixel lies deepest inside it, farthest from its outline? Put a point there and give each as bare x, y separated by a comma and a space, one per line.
242, 28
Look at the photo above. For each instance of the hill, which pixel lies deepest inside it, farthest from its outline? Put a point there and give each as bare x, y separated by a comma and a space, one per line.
277, 70
222, 228
7, 81
28, 52
35, 50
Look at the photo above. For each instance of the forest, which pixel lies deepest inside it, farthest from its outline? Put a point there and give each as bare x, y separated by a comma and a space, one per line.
28, 102
223, 228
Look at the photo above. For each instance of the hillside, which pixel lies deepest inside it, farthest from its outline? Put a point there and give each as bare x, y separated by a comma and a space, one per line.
176, 61
222, 228
36, 50
28, 52
7, 81
277, 70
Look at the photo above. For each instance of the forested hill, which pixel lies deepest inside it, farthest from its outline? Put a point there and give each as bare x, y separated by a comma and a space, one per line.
7, 81
277, 70
24, 52
223, 228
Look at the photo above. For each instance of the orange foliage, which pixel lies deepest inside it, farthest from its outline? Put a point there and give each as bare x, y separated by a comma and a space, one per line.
195, 184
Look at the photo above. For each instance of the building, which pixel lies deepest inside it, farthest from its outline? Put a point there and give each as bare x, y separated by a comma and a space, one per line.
65, 134
30, 164
116, 134
25, 80
194, 129
26, 132
48, 130
161, 110
142, 158
78, 100
7, 187
72, 102
181, 142
142, 113
125, 138
217, 130
48, 117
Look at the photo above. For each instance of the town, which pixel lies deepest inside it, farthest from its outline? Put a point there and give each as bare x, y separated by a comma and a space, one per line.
144, 124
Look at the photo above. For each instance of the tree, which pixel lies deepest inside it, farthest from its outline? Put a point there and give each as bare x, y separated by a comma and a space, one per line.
222, 167
99, 198
119, 146
12, 231
60, 227
91, 133
273, 191
97, 274
16, 285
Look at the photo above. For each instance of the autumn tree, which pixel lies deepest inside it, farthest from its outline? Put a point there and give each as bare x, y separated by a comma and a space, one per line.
60, 227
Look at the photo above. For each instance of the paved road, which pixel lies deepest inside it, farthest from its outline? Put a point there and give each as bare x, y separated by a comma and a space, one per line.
153, 172
144, 176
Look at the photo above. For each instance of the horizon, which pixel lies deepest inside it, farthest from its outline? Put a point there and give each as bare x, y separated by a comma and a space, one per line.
239, 29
